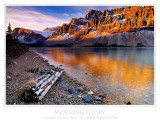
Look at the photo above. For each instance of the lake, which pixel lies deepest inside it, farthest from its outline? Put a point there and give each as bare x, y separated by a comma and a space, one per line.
121, 73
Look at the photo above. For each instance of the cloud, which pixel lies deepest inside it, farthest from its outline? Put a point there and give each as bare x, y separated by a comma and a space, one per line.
77, 15
66, 14
31, 19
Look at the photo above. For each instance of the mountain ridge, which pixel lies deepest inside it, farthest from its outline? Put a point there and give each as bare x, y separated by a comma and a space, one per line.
137, 20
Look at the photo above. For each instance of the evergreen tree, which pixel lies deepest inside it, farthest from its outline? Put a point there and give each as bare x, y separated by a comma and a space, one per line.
8, 36
9, 30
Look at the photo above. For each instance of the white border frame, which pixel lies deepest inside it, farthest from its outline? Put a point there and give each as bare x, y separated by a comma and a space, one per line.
127, 113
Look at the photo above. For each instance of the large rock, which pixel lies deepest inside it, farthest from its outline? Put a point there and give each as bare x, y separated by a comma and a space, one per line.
79, 89
102, 95
97, 98
71, 91
79, 96
87, 99
90, 92
63, 86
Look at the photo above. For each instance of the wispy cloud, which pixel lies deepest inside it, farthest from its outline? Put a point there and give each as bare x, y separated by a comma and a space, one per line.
77, 15
74, 15
67, 15
31, 19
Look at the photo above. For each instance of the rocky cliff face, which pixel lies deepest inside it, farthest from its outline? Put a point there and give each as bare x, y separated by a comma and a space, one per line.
75, 25
130, 26
52, 28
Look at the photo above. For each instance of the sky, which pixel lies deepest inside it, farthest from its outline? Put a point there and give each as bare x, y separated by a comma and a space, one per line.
40, 17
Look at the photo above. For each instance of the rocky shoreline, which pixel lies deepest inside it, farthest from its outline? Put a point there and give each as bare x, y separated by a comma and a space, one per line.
66, 91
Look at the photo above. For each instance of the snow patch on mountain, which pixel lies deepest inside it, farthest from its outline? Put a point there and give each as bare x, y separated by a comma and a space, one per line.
121, 21
80, 26
22, 40
46, 34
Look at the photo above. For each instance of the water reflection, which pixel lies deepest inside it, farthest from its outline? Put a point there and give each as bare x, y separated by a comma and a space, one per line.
127, 72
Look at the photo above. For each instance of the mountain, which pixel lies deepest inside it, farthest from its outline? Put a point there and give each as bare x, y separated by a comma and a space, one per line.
52, 28
31, 36
128, 26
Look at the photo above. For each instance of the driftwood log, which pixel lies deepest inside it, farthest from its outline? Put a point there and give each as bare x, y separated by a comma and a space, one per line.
43, 85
